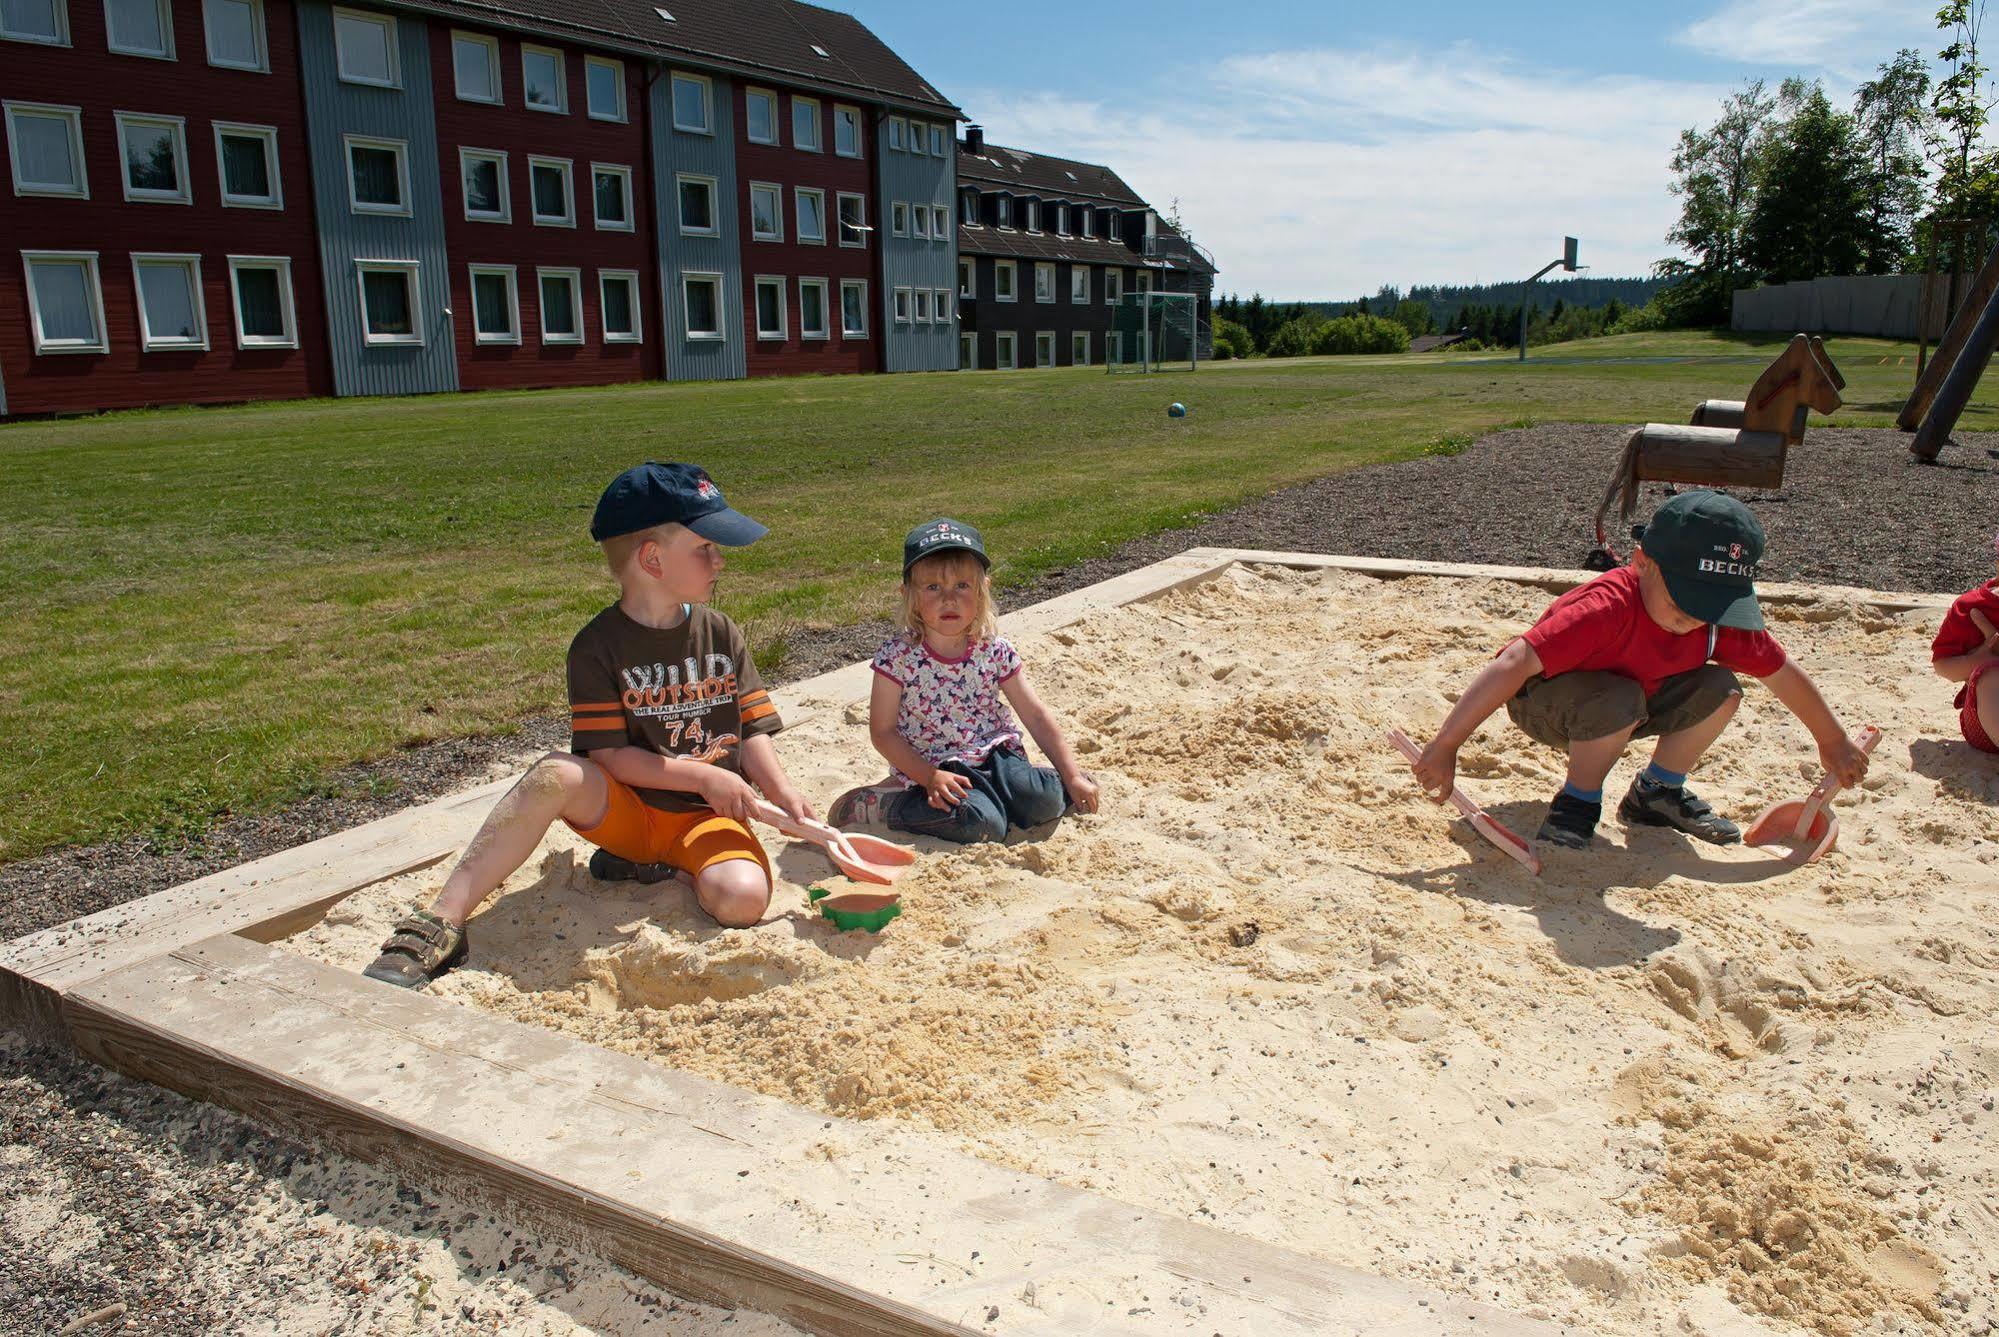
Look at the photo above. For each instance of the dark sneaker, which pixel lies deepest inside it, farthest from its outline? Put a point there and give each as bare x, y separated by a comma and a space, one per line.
419, 949
1649, 803
1571, 822
863, 808
608, 867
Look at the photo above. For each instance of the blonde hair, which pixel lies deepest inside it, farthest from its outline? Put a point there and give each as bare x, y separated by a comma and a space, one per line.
984, 622
619, 550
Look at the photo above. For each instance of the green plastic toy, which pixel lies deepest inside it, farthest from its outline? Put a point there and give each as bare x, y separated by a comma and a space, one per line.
868, 911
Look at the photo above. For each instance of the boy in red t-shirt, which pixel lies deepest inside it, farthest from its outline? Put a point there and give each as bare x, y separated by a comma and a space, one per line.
1966, 648
1646, 650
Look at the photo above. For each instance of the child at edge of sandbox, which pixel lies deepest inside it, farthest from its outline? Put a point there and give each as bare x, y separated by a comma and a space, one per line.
1647, 650
1964, 652
669, 726
938, 711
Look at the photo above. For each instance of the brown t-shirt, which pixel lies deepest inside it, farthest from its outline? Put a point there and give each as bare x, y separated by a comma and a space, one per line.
689, 693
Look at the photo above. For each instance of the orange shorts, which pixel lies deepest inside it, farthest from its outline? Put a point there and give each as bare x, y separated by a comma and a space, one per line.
633, 829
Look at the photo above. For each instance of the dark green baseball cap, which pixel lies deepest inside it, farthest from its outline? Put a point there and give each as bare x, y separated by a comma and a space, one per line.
942, 535
1707, 545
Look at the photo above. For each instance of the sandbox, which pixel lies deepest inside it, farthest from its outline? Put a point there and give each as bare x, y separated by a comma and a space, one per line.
1268, 1045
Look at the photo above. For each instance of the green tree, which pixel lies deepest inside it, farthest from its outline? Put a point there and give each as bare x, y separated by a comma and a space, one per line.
1414, 317
1715, 172
1892, 113
1809, 216
1967, 182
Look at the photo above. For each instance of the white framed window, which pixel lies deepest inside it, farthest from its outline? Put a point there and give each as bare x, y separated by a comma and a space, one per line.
552, 192
847, 131
544, 80
853, 308
1089, 221
1044, 348
898, 132
246, 156
42, 21
378, 176
364, 48
1079, 348
260, 290
1004, 357
559, 294
45, 149
701, 306
902, 306
1034, 215
1003, 212
140, 28
940, 306
153, 150
693, 104
940, 141
483, 173
770, 306
919, 221
475, 67
968, 277
968, 352
65, 302
611, 197
814, 320
968, 208
1114, 346
940, 222
1113, 286
766, 211
618, 301
1044, 281
805, 129
496, 304
172, 314
1145, 280
1062, 220
898, 219
916, 138
1005, 274
1079, 284
853, 218
235, 33
922, 305
760, 115
698, 216
604, 88
391, 314
811, 206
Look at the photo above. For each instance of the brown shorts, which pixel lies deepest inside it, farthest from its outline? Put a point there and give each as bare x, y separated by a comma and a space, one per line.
1578, 707
633, 829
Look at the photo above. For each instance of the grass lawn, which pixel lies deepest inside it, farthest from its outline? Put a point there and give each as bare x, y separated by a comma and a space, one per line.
208, 610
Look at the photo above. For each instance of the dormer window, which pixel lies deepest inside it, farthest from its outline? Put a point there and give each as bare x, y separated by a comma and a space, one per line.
1034, 215
1062, 219
1089, 221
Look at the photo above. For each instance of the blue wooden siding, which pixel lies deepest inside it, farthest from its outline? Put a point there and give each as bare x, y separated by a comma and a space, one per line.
334, 110
908, 262
676, 151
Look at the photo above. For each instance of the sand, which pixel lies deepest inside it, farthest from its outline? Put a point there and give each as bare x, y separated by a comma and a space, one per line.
1666, 1087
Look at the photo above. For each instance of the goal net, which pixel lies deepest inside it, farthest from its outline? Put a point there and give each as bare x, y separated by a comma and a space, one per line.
1154, 331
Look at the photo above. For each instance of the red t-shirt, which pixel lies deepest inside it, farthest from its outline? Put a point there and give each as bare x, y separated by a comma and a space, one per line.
1603, 627
1959, 635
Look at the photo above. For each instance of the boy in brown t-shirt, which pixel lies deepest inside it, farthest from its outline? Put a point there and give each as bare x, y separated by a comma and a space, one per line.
670, 725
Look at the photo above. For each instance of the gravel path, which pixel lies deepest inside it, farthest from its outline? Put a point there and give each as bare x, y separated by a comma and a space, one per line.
157, 1181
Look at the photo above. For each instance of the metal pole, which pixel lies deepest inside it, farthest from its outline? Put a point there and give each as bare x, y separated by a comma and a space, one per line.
1525, 288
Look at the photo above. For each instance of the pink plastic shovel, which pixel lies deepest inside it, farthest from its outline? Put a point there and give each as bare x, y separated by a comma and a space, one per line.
863, 858
1807, 825
1481, 821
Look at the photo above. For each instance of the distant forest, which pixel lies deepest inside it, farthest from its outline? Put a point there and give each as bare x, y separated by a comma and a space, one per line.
1445, 300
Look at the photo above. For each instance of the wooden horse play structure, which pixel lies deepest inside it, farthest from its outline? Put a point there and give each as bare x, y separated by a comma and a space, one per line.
1729, 443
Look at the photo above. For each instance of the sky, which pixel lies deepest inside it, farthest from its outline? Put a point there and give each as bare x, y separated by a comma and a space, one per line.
1322, 148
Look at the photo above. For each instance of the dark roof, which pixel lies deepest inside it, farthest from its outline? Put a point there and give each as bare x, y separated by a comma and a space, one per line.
1013, 244
1430, 343
771, 37
1038, 173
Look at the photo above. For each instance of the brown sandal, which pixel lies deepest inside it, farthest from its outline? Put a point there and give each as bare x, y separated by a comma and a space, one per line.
420, 948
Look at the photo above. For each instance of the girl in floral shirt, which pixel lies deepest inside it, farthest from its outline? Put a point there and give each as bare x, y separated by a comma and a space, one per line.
939, 710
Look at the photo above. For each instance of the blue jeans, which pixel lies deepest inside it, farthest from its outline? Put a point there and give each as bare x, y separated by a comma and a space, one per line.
1007, 791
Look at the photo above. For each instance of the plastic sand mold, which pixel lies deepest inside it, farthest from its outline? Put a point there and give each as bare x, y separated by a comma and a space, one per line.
868, 911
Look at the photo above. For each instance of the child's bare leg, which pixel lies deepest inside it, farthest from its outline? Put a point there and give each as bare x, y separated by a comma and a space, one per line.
1590, 760
1988, 703
735, 892
1680, 752
558, 786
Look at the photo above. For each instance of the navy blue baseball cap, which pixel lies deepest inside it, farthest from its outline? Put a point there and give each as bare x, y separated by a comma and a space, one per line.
1707, 545
680, 494
941, 535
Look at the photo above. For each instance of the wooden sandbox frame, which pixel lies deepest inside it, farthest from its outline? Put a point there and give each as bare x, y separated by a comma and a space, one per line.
663, 1172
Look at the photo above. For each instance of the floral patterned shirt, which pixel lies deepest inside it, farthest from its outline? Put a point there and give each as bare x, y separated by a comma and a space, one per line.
952, 709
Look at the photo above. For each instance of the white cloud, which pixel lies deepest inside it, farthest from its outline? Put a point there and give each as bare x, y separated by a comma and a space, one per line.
1327, 173
1845, 38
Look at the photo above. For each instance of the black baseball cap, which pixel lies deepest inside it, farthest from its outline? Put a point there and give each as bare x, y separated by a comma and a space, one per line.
681, 494
935, 536
1707, 545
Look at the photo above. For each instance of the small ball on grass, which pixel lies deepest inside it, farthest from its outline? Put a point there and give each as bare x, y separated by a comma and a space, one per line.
1176, 410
